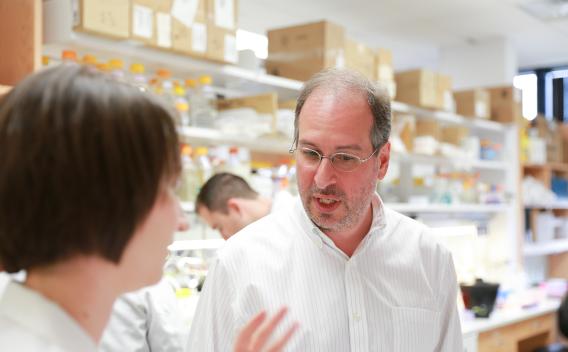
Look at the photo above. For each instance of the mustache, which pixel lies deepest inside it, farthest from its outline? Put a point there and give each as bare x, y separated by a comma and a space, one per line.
328, 191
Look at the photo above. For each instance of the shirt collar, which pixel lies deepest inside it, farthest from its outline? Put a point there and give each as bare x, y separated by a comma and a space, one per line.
319, 238
43, 318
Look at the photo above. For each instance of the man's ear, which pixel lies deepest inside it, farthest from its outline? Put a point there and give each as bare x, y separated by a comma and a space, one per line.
384, 157
233, 204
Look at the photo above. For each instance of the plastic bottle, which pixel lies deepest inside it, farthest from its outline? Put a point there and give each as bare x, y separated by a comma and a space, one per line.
48, 61
189, 180
190, 87
117, 69
204, 167
69, 56
182, 106
163, 86
202, 102
137, 77
89, 60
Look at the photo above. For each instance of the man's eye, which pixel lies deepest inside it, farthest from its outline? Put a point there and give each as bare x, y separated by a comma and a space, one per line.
310, 154
345, 157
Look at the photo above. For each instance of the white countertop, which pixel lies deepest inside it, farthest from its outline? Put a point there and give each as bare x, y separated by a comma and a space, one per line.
508, 316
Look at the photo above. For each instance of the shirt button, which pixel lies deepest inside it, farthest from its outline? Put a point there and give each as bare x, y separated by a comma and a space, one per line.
356, 316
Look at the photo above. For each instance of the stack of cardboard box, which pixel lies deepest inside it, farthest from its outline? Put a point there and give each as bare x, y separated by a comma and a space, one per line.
298, 52
199, 28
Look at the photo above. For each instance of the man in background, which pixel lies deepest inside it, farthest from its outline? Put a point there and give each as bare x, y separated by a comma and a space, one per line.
227, 203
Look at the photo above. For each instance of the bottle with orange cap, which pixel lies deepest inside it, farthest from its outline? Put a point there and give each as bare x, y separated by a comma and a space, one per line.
163, 86
69, 56
189, 179
202, 102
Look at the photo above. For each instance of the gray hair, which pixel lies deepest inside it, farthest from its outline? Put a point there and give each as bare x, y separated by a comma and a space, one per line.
343, 79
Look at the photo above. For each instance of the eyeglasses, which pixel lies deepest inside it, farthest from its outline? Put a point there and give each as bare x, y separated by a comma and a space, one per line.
340, 161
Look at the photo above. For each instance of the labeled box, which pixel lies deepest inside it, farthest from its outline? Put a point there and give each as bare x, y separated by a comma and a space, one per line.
473, 103
360, 58
189, 27
299, 52
428, 127
107, 17
221, 45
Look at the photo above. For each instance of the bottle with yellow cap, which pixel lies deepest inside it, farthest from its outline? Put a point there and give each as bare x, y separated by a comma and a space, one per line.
137, 76
48, 61
202, 102
163, 86
89, 60
117, 69
182, 105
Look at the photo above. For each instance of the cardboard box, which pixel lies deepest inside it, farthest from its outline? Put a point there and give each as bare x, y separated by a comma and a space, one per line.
428, 127
221, 45
189, 28
107, 17
360, 58
223, 14
287, 104
473, 103
299, 52
445, 100
505, 104
563, 127
551, 133
417, 87
383, 65
454, 134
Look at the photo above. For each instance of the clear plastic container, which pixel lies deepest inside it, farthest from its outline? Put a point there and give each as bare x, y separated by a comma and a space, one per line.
189, 180
117, 69
69, 56
204, 167
182, 106
202, 102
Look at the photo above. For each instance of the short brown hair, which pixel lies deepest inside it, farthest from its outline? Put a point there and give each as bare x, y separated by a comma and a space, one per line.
220, 188
343, 79
83, 160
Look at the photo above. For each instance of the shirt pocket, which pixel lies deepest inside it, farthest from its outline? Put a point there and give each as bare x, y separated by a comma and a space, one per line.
415, 329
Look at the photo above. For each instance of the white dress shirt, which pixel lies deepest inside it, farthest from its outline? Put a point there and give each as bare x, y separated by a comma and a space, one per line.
30, 322
396, 293
147, 320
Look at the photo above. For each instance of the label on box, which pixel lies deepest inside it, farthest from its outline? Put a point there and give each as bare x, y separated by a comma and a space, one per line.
225, 14
481, 109
184, 11
230, 48
199, 37
142, 21
164, 29
340, 59
448, 101
386, 73
76, 12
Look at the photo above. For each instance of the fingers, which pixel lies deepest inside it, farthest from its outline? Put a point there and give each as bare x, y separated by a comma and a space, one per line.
256, 333
246, 335
265, 333
280, 343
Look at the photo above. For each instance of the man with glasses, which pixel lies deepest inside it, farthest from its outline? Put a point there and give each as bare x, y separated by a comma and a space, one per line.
355, 274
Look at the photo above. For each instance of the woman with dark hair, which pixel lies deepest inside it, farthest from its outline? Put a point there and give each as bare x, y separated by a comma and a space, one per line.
87, 208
